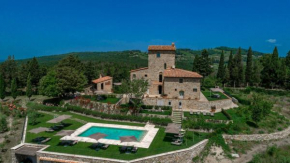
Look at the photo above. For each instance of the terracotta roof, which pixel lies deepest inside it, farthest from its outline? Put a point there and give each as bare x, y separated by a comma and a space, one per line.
162, 47
143, 68
175, 72
102, 79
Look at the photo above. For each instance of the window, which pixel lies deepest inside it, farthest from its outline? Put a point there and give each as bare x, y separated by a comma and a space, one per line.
158, 55
194, 89
180, 80
134, 76
160, 77
169, 103
146, 75
175, 89
165, 66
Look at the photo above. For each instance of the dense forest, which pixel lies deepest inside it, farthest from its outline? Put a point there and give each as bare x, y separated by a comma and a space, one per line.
59, 74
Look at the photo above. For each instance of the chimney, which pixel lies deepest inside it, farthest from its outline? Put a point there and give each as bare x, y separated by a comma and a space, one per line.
172, 44
101, 75
173, 66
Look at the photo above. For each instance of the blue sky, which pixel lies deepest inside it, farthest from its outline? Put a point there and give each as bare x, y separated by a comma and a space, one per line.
36, 28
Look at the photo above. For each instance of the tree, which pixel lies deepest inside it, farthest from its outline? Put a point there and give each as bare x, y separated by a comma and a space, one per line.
35, 71
226, 78
2, 87
14, 89
48, 85
256, 78
231, 67
32, 115
287, 60
90, 72
205, 68
135, 89
237, 69
3, 123
196, 63
69, 80
259, 107
9, 69
221, 68
29, 87
249, 67
71, 61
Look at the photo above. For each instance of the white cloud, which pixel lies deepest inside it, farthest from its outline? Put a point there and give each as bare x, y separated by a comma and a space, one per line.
271, 40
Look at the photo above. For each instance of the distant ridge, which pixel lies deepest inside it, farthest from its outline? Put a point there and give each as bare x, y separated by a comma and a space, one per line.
184, 57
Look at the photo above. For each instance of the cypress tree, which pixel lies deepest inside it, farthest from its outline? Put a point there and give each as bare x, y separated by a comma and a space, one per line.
226, 78
275, 57
34, 70
14, 89
230, 66
29, 87
221, 68
249, 68
2, 87
196, 63
287, 60
204, 62
239, 64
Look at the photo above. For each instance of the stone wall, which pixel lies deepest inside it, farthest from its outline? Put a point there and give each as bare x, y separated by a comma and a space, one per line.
183, 155
189, 105
156, 65
190, 87
259, 137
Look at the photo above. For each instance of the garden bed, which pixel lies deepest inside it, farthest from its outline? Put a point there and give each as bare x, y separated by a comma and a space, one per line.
209, 95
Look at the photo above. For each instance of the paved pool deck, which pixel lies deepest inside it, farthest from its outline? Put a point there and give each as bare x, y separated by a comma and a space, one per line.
145, 142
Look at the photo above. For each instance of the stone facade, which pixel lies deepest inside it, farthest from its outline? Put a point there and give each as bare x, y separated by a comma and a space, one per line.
189, 86
189, 105
161, 59
259, 137
103, 84
183, 155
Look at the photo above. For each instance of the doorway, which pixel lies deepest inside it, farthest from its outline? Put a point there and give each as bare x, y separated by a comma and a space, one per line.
160, 89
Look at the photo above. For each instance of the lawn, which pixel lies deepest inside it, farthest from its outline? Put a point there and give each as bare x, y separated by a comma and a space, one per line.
160, 144
208, 94
165, 112
110, 100
217, 116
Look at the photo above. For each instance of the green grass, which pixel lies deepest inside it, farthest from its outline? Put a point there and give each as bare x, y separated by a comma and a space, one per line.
165, 112
160, 144
110, 100
217, 116
208, 94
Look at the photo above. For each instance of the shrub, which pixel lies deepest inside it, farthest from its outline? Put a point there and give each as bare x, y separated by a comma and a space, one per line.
252, 124
3, 124
229, 117
155, 120
147, 106
53, 101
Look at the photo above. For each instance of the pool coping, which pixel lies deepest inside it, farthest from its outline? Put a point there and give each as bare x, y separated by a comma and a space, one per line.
147, 139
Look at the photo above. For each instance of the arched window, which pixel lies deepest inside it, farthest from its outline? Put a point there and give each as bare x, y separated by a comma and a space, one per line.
165, 65
160, 77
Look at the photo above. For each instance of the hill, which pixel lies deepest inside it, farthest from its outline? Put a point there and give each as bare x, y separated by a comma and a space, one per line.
184, 57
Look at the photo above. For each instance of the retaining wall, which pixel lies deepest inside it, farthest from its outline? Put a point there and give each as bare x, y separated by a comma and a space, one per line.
259, 137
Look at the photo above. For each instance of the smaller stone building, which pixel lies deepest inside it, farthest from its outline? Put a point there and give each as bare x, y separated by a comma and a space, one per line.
103, 84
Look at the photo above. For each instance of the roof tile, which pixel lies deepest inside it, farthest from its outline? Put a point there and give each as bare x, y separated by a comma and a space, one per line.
175, 72
102, 79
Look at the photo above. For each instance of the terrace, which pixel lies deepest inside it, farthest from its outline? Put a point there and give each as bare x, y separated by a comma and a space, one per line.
160, 143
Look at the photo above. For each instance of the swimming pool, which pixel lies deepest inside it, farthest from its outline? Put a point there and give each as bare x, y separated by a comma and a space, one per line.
114, 133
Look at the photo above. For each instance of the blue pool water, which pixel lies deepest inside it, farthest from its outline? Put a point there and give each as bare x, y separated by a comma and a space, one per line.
114, 133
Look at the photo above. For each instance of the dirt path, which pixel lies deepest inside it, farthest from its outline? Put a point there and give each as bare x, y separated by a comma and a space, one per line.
261, 148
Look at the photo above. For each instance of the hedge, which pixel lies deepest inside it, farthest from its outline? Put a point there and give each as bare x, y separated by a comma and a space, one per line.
227, 114
155, 120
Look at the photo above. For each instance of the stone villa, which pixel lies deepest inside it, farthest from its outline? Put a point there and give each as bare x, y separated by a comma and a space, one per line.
103, 84
170, 86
